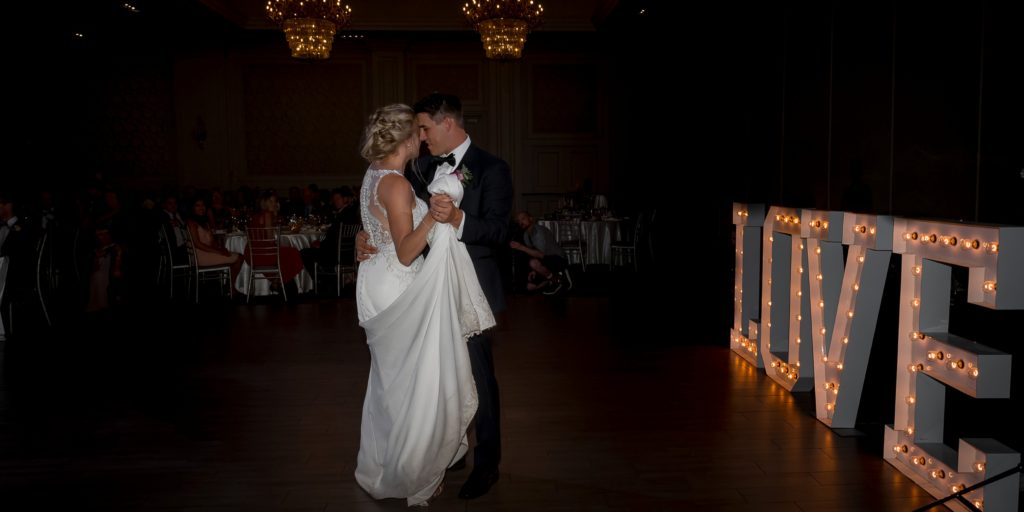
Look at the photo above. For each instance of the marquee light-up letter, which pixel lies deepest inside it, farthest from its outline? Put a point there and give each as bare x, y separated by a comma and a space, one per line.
931, 358
746, 303
843, 315
783, 302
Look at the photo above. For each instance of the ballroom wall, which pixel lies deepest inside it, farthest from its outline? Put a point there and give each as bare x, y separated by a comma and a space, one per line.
205, 103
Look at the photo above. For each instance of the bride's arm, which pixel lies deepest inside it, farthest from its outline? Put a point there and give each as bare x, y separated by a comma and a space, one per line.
396, 196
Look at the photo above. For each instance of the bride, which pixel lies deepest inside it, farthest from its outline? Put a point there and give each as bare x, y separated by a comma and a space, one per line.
417, 313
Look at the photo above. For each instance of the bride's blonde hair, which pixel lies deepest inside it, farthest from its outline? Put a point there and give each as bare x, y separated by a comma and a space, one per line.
388, 127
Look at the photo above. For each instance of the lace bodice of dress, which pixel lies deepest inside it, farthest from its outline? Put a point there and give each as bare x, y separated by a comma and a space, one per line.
375, 217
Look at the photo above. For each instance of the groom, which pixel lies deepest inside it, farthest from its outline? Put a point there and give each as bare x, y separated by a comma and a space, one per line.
481, 222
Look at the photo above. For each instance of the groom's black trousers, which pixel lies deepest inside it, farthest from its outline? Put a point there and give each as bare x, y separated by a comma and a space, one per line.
487, 453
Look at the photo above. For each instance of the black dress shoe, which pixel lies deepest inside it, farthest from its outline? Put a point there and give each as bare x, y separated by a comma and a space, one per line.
459, 464
479, 482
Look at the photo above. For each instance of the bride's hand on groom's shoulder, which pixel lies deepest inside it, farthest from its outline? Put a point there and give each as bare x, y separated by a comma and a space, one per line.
363, 248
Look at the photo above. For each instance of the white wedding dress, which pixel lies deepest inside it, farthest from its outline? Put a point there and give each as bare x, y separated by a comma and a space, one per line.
420, 396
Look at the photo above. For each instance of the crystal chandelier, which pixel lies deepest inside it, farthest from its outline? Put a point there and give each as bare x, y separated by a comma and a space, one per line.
309, 25
503, 24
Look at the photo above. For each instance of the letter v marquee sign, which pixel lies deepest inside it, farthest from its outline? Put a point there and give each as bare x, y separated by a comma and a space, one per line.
930, 358
844, 305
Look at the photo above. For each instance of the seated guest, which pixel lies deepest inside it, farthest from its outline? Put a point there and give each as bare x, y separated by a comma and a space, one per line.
547, 260
18, 243
325, 252
269, 207
210, 253
175, 228
218, 212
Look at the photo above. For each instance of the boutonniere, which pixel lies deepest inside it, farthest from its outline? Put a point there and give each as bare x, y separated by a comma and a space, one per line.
464, 175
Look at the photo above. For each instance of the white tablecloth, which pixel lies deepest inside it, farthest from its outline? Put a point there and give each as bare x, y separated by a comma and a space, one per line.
236, 242
597, 235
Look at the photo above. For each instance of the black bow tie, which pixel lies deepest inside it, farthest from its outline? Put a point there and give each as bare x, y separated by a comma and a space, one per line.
438, 160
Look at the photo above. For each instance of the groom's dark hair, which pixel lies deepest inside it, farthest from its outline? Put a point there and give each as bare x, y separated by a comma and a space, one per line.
438, 106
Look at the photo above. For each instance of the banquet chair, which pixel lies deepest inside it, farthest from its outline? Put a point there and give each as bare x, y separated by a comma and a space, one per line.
264, 257
220, 273
346, 244
624, 249
570, 238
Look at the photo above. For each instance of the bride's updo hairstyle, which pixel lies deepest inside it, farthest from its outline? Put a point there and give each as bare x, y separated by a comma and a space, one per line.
388, 127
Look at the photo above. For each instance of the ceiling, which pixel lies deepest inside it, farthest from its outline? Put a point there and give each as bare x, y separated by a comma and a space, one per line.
427, 15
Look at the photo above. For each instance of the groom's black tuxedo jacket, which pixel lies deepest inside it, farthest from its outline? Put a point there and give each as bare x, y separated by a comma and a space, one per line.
487, 205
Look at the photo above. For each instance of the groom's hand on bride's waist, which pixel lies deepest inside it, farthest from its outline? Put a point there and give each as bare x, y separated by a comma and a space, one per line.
363, 248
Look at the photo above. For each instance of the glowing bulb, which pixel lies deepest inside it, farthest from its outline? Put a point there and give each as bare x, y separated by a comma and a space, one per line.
906, 236
817, 250
900, 448
824, 359
911, 400
798, 340
872, 230
822, 330
850, 314
910, 431
951, 241
771, 239
860, 259
821, 303
956, 365
989, 286
916, 335
979, 466
799, 317
938, 473
799, 293
801, 270
979, 504
915, 302
801, 247
974, 373
820, 277
824, 224
920, 461
993, 247
769, 303
778, 217
957, 488
846, 340
917, 270
828, 406
839, 366
916, 368
775, 364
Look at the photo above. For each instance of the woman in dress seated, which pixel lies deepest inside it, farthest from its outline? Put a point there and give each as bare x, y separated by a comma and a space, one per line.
209, 252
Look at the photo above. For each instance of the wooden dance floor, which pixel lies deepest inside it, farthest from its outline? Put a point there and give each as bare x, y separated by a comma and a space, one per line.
261, 410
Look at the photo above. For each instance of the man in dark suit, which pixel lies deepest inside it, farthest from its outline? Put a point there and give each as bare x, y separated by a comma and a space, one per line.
482, 222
